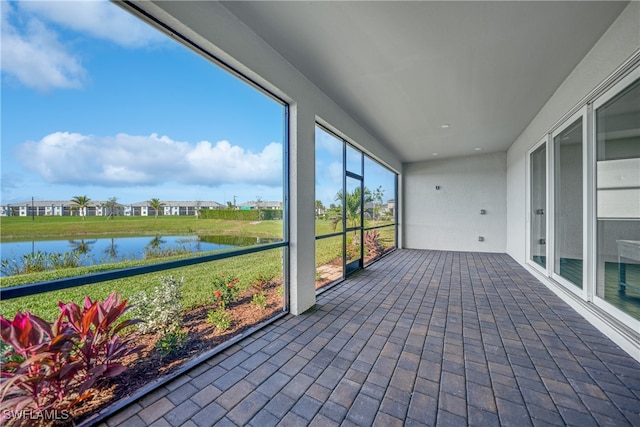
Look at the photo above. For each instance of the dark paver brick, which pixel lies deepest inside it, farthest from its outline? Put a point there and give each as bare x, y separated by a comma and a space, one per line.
420, 338
334, 411
363, 410
306, 407
182, 393
264, 419
280, 405
156, 410
247, 408
181, 413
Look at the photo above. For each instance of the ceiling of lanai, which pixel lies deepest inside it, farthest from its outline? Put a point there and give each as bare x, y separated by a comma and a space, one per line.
405, 69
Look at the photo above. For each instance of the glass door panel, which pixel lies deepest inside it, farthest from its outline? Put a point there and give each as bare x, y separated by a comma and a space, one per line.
353, 207
568, 207
618, 200
538, 206
354, 160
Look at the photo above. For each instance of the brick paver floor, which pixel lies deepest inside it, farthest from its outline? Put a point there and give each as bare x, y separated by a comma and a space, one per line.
418, 338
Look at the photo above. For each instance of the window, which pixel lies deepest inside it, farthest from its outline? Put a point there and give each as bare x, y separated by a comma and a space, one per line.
355, 208
329, 213
538, 206
176, 173
584, 201
379, 210
618, 200
568, 249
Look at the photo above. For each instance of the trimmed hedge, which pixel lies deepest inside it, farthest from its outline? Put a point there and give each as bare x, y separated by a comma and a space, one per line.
241, 215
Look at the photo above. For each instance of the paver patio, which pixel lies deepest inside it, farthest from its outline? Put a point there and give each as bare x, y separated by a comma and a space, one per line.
418, 338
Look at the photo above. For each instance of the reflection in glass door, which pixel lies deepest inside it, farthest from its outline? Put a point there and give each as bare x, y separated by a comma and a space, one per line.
568, 248
353, 203
538, 206
618, 200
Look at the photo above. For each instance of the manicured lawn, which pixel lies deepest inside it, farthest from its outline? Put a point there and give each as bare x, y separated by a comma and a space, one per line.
54, 227
197, 289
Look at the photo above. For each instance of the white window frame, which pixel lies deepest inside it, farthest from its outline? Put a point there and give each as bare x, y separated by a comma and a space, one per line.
533, 264
551, 241
592, 217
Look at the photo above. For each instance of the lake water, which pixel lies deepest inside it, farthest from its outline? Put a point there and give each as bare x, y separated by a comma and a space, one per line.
103, 250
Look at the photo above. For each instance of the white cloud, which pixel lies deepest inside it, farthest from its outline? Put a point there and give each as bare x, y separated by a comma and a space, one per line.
100, 19
35, 56
129, 160
325, 142
31, 49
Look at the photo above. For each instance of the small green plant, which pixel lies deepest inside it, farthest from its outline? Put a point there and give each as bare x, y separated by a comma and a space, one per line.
220, 317
160, 311
171, 343
259, 299
259, 285
225, 290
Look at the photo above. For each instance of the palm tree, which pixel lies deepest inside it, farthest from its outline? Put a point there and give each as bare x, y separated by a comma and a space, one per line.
156, 205
81, 203
352, 203
111, 206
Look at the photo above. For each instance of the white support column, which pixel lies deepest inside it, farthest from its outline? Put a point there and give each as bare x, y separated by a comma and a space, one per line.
301, 209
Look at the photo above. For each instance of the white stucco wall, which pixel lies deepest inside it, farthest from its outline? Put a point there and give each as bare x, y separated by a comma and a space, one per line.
449, 218
619, 43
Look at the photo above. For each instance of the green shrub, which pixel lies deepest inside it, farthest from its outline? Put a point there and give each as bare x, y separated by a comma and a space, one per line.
160, 311
259, 299
225, 290
220, 317
241, 215
171, 343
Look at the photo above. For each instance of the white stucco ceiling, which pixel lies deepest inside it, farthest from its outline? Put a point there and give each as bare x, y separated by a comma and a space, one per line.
403, 69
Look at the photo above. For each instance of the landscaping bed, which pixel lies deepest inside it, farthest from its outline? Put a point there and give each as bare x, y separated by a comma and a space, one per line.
151, 363
202, 336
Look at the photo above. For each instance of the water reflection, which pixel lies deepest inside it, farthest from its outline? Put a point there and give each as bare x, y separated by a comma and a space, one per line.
110, 249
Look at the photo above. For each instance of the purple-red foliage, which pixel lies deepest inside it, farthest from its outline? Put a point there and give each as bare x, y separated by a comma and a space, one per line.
56, 365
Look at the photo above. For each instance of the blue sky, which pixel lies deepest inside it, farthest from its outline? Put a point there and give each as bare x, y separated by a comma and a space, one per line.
96, 102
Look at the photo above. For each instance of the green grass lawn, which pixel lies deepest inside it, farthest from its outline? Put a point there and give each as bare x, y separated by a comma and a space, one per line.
198, 279
55, 227
197, 289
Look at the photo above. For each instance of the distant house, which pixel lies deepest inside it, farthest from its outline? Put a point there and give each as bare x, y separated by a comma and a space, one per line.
36, 208
99, 208
171, 208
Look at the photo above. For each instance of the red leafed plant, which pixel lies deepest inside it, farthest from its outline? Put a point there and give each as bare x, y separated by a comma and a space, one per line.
55, 366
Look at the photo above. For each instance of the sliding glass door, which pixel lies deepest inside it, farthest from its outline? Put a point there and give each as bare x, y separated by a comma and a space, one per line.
583, 211
568, 202
538, 205
617, 141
